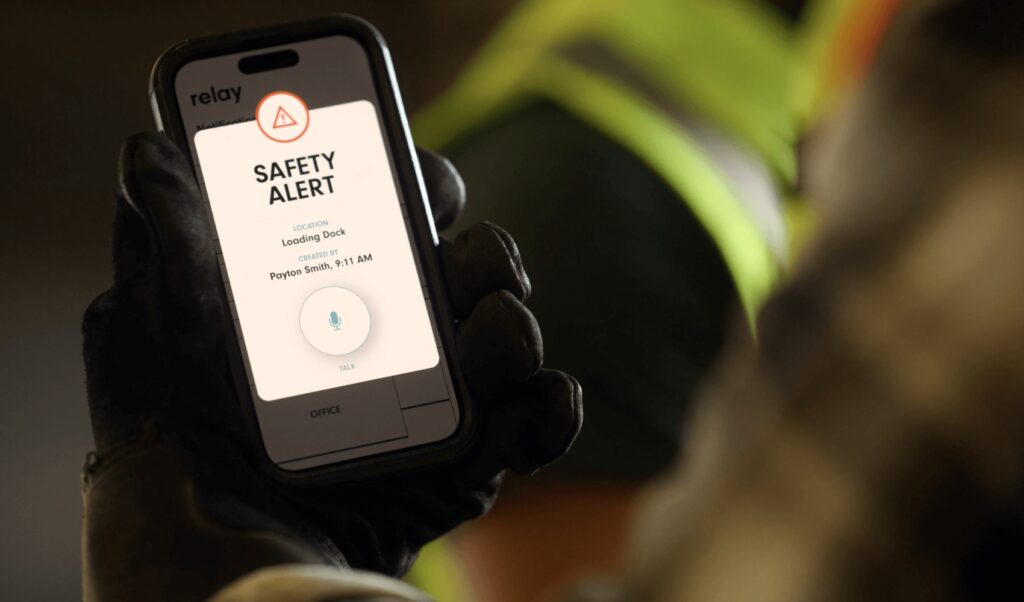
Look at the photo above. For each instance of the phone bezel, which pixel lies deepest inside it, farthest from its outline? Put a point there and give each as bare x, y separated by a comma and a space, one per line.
399, 139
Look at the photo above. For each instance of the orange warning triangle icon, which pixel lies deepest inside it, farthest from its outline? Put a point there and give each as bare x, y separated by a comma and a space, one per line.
283, 119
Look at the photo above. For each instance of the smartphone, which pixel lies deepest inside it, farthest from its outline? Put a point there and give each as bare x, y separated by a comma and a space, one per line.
345, 362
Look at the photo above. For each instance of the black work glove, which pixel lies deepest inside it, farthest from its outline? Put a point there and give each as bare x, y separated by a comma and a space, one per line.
158, 378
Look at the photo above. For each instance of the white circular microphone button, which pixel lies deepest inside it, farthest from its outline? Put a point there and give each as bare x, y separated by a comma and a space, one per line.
334, 320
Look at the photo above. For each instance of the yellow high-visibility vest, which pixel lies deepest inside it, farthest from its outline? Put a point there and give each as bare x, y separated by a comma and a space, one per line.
659, 77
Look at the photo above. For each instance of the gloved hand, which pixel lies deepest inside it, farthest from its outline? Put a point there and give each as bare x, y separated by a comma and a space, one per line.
171, 453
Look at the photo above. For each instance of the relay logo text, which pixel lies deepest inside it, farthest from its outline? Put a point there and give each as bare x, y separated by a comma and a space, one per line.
216, 95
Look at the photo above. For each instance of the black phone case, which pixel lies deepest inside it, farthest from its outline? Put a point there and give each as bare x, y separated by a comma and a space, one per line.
398, 137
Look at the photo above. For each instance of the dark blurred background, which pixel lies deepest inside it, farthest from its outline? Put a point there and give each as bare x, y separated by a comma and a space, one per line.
75, 81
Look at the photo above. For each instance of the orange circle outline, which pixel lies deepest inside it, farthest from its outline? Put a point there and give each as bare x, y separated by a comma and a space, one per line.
305, 108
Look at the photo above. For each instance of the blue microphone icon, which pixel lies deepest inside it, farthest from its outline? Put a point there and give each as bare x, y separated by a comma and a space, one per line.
334, 320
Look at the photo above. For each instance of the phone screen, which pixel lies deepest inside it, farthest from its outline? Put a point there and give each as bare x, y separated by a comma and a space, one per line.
331, 308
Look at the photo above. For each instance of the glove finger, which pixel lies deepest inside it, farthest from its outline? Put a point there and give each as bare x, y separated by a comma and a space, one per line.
109, 332
499, 344
136, 279
539, 423
98, 331
157, 182
481, 260
446, 191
